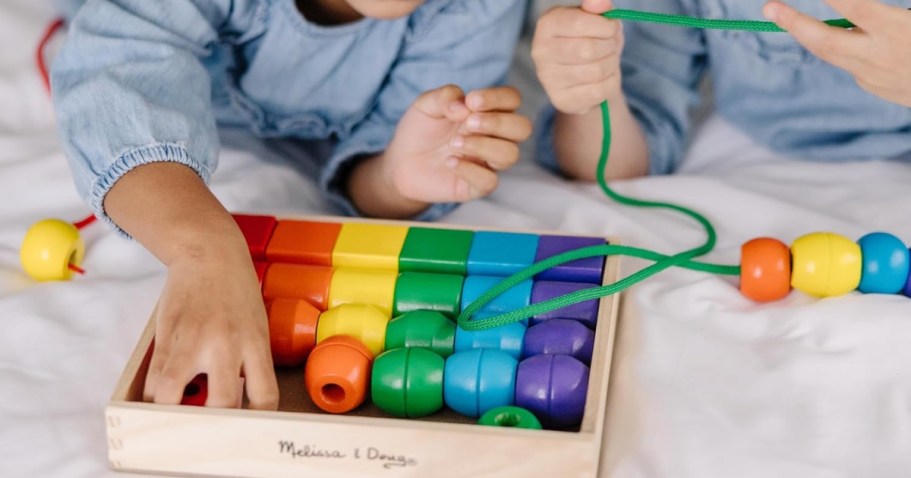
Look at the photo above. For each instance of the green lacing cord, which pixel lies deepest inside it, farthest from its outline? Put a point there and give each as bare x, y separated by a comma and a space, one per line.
684, 259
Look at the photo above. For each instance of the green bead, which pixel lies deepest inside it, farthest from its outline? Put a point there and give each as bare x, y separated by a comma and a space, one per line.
428, 291
408, 383
510, 417
422, 329
436, 250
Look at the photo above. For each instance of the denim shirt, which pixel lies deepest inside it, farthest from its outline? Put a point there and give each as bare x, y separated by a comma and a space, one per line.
766, 84
140, 81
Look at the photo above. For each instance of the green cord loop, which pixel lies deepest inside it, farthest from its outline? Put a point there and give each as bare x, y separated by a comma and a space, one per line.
684, 259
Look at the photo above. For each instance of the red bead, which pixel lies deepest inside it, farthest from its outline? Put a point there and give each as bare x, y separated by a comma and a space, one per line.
257, 230
196, 392
765, 269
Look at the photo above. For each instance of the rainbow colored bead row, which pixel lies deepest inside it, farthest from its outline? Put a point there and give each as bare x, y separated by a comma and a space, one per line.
824, 264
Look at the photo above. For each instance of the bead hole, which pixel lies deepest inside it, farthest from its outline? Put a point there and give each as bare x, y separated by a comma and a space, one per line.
333, 393
191, 390
507, 420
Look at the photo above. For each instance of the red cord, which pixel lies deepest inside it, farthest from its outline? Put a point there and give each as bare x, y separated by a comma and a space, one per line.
39, 55
85, 222
76, 269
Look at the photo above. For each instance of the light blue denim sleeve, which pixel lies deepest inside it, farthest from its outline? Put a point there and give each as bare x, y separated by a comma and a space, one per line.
129, 88
661, 68
469, 43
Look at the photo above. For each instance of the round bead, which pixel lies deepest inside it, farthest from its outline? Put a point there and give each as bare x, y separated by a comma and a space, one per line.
336, 374
48, 249
408, 382
765, 269
292, 330
560, 336
825, 264
361, 321
479, 380
510, 417
553, 387
885, 263
507, 338
422, 329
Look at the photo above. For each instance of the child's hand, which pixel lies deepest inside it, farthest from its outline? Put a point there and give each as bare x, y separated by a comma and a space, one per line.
211, 320
448, 147
876, 53
577, 56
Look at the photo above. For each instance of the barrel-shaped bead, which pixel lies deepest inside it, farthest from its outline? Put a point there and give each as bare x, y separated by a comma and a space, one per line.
885, 263
361, 321
825, 264
408, 382
292, 330
553, 387
479, 380
337, 374
765, 269
507, 338
426, 329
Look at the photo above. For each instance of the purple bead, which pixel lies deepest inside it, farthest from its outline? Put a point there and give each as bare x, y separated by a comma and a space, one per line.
585, 312
560, 336
553, 387
589, 270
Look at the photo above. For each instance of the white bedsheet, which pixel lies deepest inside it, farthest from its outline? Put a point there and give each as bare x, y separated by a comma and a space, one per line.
706, 383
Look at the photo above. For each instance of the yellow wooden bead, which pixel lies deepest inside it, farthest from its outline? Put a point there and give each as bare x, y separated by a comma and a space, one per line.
361, 321
363, 286
49, 247
369, 246
825, 264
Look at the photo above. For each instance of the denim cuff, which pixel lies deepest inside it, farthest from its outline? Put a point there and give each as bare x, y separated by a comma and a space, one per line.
155, 153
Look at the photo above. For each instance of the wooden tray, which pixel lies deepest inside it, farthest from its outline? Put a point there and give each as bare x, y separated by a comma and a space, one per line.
301, 441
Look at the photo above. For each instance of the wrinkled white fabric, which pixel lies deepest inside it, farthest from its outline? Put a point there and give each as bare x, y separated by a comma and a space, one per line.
705, 383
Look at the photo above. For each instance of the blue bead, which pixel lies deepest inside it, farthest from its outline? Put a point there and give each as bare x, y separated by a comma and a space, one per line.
501, 253
514, 298
508, 338
885, 263
479, 380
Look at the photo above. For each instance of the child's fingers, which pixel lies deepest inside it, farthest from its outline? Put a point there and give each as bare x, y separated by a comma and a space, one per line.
444, 102
597, 6
511, 126
573, 22
577, 51
867, 14
262, 389
472, 180
223, 387
498, 154
503, 98
151, 383
173, 379
833, 45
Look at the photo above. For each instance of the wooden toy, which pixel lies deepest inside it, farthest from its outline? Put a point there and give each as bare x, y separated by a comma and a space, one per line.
553, 387
419, 376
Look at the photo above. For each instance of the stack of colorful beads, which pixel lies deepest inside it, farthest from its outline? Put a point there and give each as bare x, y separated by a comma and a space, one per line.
824, 264
365, 303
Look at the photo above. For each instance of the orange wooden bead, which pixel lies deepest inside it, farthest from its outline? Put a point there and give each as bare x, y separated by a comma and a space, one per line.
292, 330
298, 281
303, 242
765, 269
338, 373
